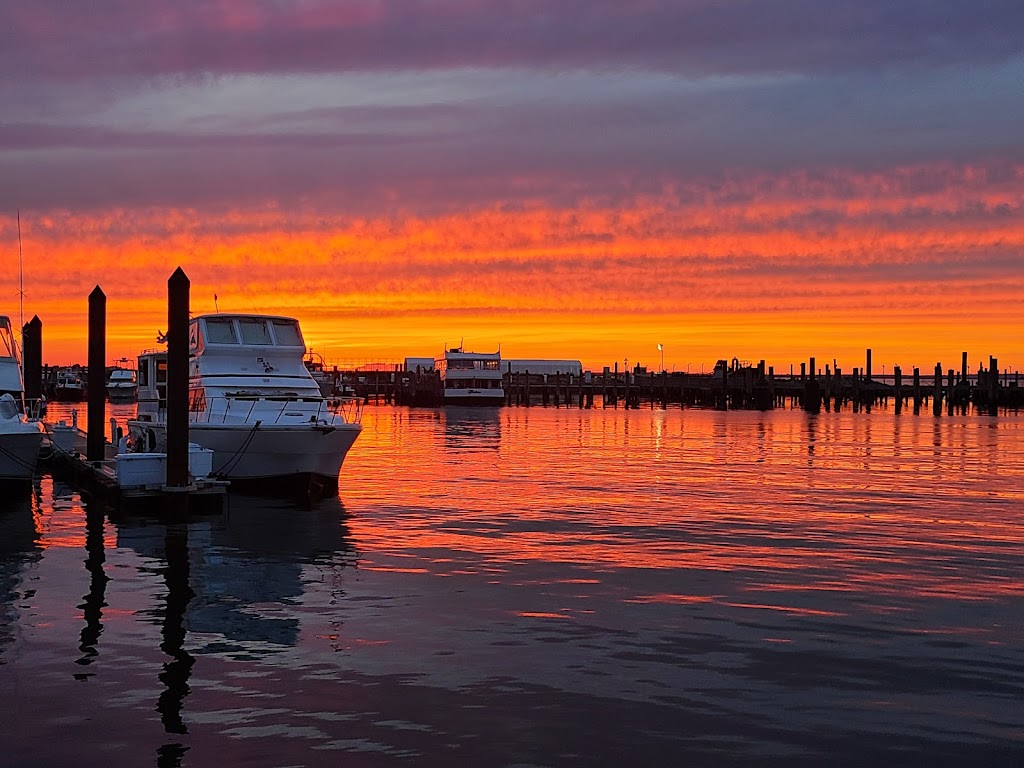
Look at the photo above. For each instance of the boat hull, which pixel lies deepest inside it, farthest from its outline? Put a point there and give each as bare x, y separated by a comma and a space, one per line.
479, 400
289, 455
68, 394
19, 454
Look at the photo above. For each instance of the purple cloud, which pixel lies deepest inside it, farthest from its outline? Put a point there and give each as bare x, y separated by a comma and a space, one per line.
128, 38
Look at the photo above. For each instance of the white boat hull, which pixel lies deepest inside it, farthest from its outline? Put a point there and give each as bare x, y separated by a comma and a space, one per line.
19, 452
247, 452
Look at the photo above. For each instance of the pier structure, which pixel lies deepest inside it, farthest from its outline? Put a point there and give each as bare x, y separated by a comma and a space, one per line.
100, 468
731, 385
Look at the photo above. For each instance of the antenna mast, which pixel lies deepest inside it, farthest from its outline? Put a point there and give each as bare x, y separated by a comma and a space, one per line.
21, 275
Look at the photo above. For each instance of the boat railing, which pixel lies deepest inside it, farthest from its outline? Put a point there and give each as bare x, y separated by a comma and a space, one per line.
267, 410
272, 410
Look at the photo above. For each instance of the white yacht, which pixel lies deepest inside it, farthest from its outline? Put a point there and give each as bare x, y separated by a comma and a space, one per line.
121, 385
252, 402
20, 439
470, 378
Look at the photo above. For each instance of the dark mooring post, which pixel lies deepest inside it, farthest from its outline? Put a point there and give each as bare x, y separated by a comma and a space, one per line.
898, 379
963, 368
95, 439
32, 341
993, 385
177, 379
937, 390
867, 370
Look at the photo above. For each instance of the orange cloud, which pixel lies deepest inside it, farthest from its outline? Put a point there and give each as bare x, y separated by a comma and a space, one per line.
917, 263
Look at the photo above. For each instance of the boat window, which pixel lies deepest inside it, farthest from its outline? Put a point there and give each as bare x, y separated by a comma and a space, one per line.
143, 372
220, 332
254, 332
161, 371
197, 400
287, 333
7, 349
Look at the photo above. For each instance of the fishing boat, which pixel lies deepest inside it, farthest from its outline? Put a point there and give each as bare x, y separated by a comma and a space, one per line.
470, 378
20, 439
69, 387
252, 402
121, 384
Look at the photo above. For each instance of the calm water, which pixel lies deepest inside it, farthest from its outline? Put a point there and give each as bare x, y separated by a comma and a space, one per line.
542, 587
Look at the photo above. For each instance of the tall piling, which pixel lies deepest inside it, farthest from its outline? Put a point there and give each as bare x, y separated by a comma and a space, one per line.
32, 360
178, 288
993, 385
96, 438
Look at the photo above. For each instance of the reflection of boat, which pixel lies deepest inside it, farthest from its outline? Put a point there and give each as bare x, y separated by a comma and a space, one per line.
19, 549
251, 401
68, 387
20, 439
470, 378
121, 385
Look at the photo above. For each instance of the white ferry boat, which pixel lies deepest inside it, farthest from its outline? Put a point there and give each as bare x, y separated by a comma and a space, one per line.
252, 402
20, 439
470, 378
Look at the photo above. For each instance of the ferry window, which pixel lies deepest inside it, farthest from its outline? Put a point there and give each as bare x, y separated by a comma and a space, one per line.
221, 332
287, 333
254, 332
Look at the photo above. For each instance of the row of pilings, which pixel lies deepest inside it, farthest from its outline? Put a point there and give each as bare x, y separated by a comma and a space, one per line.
733, 386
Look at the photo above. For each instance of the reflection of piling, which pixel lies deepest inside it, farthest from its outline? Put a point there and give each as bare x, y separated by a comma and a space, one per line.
177, 379
32, 343
176, 672
94, 445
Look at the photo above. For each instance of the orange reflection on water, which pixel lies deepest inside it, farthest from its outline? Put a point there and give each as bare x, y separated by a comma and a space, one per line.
821, 506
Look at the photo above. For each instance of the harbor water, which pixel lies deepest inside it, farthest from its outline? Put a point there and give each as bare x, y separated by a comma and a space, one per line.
543, 587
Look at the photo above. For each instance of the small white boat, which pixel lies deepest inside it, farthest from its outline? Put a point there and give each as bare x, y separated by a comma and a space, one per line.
121, 385
20, 439
252, 402
470, 378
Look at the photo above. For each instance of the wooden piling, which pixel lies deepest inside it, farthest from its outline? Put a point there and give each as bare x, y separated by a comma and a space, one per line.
32, 360
178, 289
95, 438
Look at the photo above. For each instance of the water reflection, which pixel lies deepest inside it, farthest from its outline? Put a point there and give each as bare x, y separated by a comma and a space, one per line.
94, 599
19, 549
471, 429
176, 672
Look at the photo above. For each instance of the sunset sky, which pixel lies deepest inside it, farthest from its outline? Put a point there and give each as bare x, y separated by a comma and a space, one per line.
566, 178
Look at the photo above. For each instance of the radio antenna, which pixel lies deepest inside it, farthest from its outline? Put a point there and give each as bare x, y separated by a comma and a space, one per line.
21, 275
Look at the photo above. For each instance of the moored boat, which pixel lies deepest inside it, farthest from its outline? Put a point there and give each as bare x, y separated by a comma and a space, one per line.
470, 378
20, 439
121, 385
252, 402
69, 387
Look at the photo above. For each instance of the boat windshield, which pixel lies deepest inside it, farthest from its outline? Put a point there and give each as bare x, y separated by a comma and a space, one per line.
254, 331
7, 348
287, 333
221, 332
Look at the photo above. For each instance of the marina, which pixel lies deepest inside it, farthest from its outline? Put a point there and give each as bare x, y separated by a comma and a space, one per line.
506, 587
